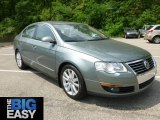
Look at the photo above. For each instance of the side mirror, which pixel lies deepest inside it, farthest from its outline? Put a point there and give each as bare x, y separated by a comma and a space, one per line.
48, 39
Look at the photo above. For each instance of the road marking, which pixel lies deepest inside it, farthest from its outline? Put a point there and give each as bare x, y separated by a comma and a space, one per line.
150, 48
156, 56
18, 71
5, 48
6, 54
157, 76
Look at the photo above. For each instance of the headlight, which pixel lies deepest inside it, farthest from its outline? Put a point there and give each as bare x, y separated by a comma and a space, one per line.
154, 61
110, 67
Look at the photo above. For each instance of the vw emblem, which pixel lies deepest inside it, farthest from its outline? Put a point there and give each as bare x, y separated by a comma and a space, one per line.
146, 64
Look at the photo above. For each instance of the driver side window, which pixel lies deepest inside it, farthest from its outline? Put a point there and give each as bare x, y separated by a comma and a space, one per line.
44, 31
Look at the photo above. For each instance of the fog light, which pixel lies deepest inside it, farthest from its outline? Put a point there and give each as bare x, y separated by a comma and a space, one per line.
114, 89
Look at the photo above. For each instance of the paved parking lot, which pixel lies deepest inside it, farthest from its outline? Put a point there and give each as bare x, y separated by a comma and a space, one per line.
57, 106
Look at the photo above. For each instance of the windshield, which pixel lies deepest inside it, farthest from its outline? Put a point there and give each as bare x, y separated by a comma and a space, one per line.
78, 32
149, 27
129, 29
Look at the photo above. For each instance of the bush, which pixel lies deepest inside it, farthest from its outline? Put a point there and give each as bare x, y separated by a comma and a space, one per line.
114, 29
7, 27
109, 15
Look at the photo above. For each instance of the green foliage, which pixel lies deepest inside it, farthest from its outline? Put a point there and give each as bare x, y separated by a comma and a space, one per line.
61, 12
96, 14
7, 27
111, 16
114, 29
26, 12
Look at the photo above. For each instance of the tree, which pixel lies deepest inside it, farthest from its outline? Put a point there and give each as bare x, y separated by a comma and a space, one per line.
108, 15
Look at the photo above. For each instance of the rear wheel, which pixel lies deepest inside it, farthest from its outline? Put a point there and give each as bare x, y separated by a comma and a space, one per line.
156, 39
73, 82
19, 61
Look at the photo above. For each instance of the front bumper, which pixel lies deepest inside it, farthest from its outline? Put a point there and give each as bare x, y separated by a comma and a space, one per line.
148, 36
127, 83
132, 35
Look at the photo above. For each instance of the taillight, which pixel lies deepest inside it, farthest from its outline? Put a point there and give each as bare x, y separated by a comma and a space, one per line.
150, 30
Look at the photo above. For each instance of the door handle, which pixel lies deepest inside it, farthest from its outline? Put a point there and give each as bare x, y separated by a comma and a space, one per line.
34, 47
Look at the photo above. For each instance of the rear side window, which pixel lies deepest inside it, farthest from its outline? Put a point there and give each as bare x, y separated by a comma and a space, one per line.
29, 32
157, 28
149, 27
44, 31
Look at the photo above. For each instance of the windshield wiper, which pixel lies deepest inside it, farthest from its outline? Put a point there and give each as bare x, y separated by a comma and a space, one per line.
75, 40
98, 39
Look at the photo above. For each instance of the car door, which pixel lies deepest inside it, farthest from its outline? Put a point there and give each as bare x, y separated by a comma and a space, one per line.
27, 47
45, 52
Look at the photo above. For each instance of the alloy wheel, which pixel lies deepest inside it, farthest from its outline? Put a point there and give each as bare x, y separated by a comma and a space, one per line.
157, 40
18, 59
70, 82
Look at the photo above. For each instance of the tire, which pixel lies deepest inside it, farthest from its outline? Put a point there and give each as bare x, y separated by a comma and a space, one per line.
72, 82
156, 39
21, 65
150, 41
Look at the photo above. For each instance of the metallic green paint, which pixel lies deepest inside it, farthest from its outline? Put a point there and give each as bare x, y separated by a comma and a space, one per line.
47, 58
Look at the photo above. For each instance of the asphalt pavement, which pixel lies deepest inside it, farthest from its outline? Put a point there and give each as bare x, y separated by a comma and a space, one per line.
57, 106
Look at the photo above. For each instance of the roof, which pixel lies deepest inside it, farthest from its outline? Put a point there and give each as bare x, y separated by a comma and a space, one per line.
58, 22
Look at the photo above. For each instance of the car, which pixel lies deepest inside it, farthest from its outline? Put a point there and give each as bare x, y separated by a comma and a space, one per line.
153, 34
144, 29
130, 33
83, 60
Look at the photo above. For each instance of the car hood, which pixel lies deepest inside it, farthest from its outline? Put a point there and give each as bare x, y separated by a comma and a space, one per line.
108, 50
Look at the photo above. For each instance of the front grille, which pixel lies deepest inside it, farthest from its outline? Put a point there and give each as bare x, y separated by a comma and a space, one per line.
139, 65
120, 90
126, 89
142, 85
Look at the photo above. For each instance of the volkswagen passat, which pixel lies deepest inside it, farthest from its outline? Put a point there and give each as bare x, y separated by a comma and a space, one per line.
84, 60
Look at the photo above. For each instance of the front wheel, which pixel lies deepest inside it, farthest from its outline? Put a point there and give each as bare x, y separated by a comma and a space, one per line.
19, 61
156, 39
150, 41
73, 82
